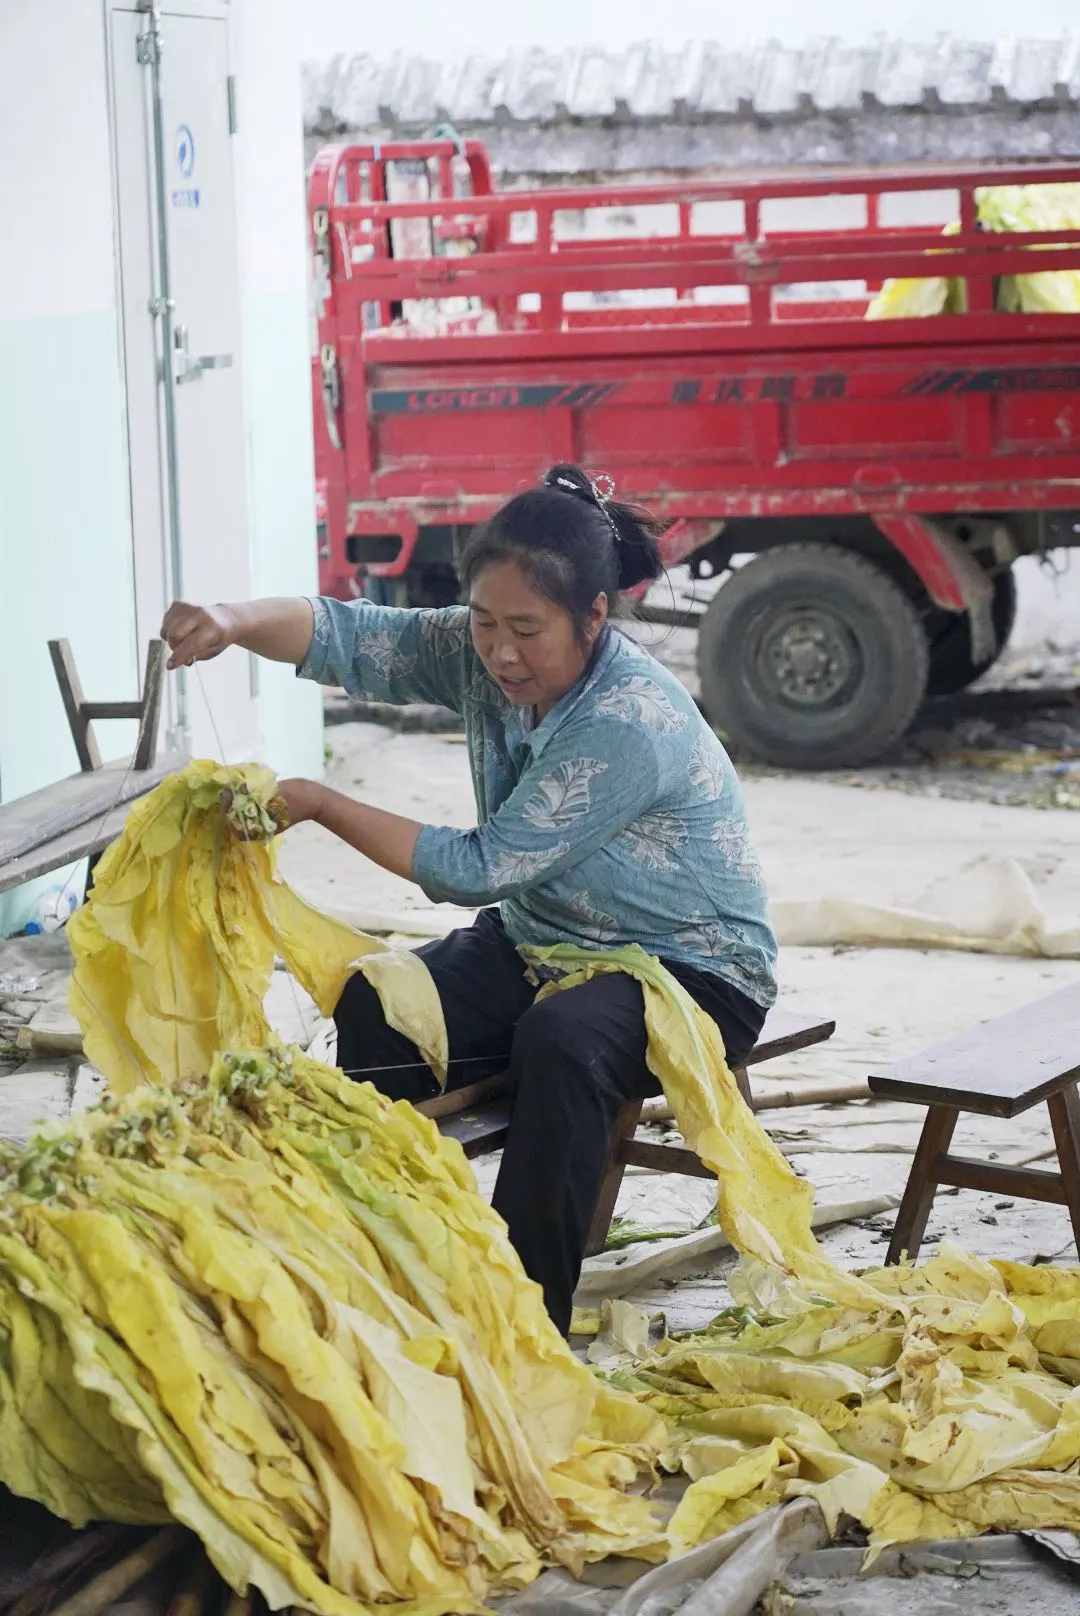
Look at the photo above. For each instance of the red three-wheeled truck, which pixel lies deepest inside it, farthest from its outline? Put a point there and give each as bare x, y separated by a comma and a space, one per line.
860, 488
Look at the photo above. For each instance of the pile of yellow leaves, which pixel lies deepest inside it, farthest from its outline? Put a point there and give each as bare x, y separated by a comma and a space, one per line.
948, 1409
270, 1303
248, 1294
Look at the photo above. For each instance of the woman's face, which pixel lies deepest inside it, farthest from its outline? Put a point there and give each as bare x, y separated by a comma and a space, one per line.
524, 640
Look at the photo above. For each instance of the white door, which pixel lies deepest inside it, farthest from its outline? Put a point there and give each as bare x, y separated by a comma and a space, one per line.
201, 236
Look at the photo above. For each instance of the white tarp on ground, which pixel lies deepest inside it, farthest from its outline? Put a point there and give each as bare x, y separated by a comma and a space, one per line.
887, 869
991, 906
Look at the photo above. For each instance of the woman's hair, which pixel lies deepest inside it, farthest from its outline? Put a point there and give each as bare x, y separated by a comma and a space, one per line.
570, 541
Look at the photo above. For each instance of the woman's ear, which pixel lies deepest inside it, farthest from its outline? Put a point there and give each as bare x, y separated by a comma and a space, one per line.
598, 616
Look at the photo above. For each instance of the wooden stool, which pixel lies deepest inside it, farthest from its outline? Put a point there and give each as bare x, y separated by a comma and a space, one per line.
998, 1069
478, 1117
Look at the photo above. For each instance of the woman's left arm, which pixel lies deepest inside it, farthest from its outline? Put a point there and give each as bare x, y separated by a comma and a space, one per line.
385, 838
587, 786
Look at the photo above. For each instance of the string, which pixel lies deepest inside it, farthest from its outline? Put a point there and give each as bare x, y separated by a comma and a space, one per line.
209, 712
300, 1018
412, 1066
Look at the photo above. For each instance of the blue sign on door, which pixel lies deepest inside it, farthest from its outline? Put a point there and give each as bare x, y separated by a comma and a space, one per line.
186, 196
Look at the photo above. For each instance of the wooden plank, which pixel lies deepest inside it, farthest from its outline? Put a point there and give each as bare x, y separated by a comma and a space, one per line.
997, 1178
111, 709
910, 1225
665, 1159
29, 822
82, 842
999, 1068
71, 694
784, 1033
479, 1131
454, 1101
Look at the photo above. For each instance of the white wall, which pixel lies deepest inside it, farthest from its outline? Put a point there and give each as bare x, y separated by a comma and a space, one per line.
65, 518
65, 539
277, 357
55, 213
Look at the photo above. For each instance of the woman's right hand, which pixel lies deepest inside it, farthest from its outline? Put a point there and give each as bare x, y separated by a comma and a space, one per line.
197, 633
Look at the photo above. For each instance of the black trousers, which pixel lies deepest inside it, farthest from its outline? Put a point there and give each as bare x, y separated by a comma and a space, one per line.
575, 1059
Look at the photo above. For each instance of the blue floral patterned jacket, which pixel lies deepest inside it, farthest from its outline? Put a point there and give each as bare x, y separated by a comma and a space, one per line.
617, 819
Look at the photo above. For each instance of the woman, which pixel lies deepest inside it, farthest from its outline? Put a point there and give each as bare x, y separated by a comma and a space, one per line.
608, 813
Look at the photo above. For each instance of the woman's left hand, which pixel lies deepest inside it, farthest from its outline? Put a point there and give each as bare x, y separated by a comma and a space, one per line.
302, 799
386, 839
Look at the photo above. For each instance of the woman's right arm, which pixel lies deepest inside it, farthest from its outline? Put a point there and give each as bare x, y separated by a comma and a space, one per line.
279, 629
380, 653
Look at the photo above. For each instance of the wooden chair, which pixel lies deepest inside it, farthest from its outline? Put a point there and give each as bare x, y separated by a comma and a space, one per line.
998, 1069
79, 817
478, 1117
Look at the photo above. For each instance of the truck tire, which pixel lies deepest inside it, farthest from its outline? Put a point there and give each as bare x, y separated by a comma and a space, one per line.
811, 657
951, 665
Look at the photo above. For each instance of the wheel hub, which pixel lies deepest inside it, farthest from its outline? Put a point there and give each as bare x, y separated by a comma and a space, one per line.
808, 656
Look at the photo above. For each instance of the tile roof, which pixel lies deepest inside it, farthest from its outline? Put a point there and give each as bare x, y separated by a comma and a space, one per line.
696, 83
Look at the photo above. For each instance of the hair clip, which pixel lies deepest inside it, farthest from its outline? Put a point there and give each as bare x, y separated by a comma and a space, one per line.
603, 490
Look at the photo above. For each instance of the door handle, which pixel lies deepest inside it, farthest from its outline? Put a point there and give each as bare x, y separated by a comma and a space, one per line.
188, 367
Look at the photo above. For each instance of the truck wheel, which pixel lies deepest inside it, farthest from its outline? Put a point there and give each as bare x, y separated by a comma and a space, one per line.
951, 665
811, 657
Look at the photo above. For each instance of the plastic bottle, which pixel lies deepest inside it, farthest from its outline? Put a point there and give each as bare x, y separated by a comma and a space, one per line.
54, 907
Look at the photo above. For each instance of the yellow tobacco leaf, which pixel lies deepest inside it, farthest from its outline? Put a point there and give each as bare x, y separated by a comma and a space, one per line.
763, 1206
749, 1375
704, 1511
175, 947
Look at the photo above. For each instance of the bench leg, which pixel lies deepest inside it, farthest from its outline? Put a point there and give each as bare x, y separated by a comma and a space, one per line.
625, 1127
153, 680
918, 1198
1064, 1112
71, 694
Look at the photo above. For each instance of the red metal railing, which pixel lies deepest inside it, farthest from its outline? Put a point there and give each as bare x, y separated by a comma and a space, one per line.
500, 273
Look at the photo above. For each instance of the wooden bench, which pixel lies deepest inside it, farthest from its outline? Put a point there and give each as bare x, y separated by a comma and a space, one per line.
998, 1069
78, 817
478, 1117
